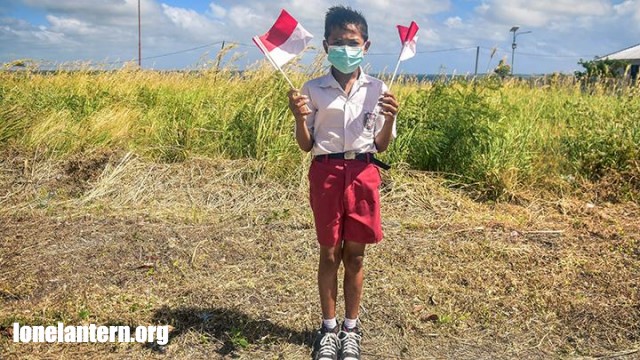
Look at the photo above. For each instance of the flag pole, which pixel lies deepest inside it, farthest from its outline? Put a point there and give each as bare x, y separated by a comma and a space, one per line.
377, 109
395, 72
256, 40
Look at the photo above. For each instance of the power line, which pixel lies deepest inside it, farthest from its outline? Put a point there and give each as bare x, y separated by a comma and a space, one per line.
185, 50
169, 54
555, 56
543, 55
371, 54
426, 51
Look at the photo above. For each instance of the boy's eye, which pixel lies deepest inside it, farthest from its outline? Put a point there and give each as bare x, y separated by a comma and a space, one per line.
348, 43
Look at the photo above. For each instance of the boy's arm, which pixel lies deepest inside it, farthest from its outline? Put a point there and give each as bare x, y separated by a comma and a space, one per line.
389, 108
300, 106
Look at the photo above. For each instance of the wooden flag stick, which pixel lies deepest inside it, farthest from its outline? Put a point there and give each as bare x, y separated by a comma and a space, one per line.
395, 72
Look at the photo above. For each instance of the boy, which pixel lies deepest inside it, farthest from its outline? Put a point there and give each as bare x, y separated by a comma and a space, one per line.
343, 118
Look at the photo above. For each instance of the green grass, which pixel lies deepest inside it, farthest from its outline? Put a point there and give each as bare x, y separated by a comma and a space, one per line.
503, 138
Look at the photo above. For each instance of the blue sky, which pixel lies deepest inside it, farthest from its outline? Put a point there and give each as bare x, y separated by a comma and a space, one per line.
562, 31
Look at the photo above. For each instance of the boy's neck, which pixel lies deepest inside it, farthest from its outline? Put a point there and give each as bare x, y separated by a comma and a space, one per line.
345, 80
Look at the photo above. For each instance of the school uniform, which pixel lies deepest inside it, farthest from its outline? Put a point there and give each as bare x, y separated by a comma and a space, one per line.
343, 177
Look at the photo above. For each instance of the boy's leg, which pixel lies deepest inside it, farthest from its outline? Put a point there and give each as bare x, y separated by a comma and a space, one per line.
350, 335
353, 258
330, 258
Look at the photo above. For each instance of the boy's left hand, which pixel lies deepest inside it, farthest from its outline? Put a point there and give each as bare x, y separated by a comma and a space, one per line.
388, 105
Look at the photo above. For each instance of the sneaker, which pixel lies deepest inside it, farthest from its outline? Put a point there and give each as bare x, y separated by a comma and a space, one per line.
327, 344
350, 343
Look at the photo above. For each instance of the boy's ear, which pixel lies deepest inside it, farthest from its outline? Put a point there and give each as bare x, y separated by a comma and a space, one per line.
366, 46
325, 45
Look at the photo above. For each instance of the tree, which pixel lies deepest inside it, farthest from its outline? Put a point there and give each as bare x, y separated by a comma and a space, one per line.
503, 69
605, 68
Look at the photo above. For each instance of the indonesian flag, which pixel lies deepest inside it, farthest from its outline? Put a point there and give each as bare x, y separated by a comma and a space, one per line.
286, 39
409, 40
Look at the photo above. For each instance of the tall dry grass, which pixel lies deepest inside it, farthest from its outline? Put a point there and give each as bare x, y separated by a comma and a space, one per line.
501, 137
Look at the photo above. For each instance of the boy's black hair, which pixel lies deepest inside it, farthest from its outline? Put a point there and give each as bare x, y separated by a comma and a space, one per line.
341, 16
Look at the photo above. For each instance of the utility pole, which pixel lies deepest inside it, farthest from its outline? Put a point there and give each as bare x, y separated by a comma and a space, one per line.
514, 30
477, 57
219, 57
139, 38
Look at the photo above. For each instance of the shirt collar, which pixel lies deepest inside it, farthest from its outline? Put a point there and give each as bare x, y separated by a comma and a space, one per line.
329, 81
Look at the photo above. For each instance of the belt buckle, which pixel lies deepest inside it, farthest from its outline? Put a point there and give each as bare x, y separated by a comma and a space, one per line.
349, 155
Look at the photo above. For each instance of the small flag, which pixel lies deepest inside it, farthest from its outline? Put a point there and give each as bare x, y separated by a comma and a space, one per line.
409, 40
286, 39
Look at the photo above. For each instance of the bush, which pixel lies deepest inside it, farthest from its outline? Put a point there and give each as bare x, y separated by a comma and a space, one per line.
448, 129
601, 141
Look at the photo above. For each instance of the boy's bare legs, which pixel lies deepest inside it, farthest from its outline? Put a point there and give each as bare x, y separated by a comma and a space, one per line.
330, 258
353, 258
350, 336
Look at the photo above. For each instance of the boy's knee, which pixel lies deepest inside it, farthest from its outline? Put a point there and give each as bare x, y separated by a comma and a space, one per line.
353, 262
330, 259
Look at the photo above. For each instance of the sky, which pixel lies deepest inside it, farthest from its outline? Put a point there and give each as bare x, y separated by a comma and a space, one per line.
187, 34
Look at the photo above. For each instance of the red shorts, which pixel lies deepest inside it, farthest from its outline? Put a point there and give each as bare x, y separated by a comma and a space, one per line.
345, 201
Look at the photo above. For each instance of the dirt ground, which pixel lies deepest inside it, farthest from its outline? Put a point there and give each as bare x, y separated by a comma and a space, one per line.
227, 257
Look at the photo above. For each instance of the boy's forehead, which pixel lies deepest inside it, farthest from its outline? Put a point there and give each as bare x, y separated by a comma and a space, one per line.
349, 31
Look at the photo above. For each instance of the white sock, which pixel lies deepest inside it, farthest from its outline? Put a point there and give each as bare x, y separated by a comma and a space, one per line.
330, 323
350, 323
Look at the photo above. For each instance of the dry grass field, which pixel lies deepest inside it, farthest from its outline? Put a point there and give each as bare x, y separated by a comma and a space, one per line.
226, 255
136, 197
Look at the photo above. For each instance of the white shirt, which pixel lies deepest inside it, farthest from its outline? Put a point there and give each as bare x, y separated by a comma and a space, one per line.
339, 122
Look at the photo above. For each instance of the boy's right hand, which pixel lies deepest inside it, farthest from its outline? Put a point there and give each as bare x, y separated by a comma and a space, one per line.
298, 105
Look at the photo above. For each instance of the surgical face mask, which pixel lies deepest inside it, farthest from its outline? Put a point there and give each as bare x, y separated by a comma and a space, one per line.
346, 59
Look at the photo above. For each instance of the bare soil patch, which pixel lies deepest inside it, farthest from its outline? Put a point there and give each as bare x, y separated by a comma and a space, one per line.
227, 257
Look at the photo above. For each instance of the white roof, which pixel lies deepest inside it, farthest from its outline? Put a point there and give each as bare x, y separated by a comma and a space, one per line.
630, 53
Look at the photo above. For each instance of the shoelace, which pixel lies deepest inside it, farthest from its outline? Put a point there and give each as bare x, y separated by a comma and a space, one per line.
329, 344
351, 343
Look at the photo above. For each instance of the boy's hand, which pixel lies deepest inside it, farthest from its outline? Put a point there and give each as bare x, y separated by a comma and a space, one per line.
298, 105
388, 106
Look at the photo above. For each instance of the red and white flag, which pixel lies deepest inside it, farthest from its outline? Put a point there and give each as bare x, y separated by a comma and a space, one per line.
286, 39
409, 40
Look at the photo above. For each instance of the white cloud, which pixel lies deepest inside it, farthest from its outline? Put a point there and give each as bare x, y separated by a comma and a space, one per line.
52, 38
244, 17
217, 10
70, 26
543, 12
402, 7
96, 12
453, 22
190, 20
629, 7
310, 10
17, 32
100, 29
427, 39
571, 7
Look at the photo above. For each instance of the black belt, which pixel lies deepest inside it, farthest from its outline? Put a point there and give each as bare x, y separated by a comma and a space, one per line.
350, 155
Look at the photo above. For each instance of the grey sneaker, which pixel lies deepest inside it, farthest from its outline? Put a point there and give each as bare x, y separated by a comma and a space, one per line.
350, 343
327, 344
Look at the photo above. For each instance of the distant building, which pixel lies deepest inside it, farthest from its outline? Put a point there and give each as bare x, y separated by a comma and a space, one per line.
630, 55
